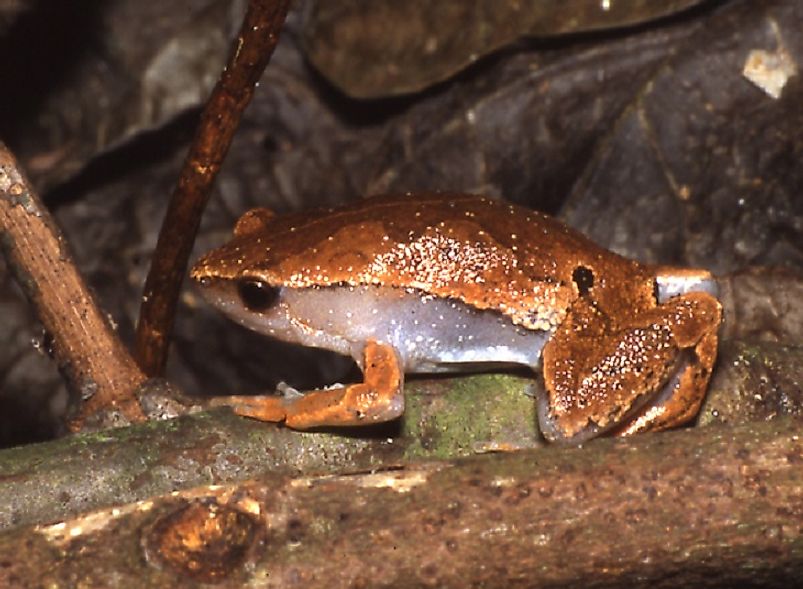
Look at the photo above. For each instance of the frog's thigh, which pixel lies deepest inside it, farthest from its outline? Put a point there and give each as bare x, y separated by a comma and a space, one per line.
596, 378
694, 319
378, 398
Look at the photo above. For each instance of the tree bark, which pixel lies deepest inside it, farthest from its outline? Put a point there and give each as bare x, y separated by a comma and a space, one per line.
710, 507
98, 368
444, 419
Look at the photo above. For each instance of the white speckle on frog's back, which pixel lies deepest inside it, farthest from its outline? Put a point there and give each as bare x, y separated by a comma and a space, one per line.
434, 261
474, 271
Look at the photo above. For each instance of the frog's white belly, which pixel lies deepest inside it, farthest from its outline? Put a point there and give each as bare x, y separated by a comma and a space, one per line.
430, 334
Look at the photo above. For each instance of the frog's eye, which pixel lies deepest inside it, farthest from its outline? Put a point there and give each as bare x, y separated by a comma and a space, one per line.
256, 295
584, 279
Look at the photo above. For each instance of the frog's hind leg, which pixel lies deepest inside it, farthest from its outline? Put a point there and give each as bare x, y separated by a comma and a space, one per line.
378, 398
681, 396
648, 373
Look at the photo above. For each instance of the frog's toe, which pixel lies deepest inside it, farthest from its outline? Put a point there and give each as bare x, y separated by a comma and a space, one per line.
288, 392
557, 431
356, 404
262, 407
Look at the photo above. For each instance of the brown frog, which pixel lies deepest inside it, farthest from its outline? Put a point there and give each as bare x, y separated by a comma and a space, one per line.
439, 282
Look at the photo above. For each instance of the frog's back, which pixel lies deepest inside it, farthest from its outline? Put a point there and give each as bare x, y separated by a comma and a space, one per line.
487, 253
405, 218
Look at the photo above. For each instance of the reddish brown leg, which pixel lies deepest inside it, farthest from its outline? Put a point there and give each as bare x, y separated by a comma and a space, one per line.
696, 319
647, 374
378, 398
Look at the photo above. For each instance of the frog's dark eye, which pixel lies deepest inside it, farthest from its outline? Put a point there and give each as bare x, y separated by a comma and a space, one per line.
257, 295
584, 279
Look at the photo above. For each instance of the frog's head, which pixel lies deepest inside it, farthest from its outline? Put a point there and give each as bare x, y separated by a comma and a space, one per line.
237, 279
249, 280
249, 300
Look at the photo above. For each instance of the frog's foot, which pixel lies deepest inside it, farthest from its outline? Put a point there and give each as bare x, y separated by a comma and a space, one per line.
287, 391
378, 398
682, 394
648, 374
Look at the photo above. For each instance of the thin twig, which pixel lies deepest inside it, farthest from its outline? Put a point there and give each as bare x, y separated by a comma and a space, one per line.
97, 365
250, 54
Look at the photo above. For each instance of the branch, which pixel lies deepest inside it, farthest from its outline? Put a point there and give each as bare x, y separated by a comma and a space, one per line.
250, 54
443, 419
713, 507
61, 478
98, 368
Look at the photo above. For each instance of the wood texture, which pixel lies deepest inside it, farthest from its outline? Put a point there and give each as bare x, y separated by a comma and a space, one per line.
711, 507
98, 368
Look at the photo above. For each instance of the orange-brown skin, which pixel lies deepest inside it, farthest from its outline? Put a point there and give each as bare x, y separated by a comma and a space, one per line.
378, 398
612, 342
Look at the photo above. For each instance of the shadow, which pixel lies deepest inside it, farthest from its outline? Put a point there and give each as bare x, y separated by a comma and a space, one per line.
41, 51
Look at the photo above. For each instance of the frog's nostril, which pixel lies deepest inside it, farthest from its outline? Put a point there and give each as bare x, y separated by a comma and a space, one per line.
257, 295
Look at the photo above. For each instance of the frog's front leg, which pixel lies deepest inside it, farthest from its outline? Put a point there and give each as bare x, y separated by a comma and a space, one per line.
378, 398
644, 374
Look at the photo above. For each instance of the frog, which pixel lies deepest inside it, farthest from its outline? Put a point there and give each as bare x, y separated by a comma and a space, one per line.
442, 282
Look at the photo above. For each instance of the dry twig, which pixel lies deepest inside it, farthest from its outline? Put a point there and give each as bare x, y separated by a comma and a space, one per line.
250, 54
96, 364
